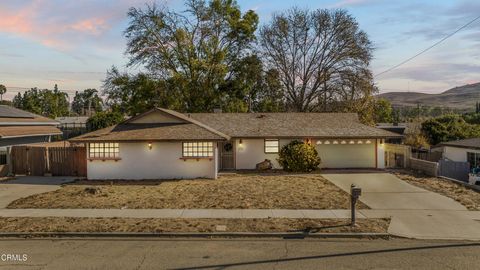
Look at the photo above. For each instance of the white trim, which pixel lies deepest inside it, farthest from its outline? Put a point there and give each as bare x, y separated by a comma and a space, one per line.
29, 135
29, 123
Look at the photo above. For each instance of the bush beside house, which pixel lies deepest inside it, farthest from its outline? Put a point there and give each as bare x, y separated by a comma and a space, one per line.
298, 156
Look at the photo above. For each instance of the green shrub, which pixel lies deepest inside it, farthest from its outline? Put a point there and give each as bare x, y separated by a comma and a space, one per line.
298, 156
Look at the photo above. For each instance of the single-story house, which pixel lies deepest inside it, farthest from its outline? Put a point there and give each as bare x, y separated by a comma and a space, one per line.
467, 150
162, 144
18, 127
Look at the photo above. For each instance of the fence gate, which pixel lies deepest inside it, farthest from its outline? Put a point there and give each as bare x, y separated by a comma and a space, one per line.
29, 160
59, 161
454, 169
67, 161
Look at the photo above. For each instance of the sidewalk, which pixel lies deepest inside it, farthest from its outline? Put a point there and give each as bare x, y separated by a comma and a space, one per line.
187, 213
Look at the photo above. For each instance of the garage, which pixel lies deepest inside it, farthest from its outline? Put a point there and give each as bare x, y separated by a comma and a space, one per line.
347, 153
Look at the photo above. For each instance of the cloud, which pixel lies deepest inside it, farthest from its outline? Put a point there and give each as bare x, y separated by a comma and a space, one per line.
63, 25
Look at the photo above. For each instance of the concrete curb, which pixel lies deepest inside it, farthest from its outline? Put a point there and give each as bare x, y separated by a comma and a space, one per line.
286, 235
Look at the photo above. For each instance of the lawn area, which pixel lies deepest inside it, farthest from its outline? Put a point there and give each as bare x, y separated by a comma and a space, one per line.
229, 191
66, 224
466, 196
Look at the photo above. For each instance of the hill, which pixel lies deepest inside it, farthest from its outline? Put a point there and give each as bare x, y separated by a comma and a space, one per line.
461, 98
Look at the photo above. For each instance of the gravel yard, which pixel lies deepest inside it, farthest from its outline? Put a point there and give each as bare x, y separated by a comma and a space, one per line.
66, 224
229, 191
466, 196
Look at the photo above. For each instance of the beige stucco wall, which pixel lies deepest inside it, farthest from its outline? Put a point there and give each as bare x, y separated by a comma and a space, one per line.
457, 154
251, 152
161, 162
348, 155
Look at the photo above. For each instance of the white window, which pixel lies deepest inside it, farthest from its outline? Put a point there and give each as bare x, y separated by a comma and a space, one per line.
197, 149
271, 145
108, 150
473, 159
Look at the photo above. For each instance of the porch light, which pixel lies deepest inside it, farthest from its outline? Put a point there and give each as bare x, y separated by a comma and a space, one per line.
368, 142
351, 142
240, 142
150, 145
335, 142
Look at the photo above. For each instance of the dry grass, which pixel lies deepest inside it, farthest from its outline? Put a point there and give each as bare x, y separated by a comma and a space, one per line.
235, 191
66, 224
466, 196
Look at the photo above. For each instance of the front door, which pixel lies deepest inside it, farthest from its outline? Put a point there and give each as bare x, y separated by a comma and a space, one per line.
226, 155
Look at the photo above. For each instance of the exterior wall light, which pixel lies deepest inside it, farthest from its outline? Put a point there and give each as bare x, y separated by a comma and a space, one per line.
150, 145
240, 142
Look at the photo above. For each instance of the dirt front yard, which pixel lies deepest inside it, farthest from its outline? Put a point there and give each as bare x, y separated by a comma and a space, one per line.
66, 224
230, 191
466, 196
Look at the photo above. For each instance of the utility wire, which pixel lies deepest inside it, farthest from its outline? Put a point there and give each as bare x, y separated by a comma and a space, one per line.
427, 49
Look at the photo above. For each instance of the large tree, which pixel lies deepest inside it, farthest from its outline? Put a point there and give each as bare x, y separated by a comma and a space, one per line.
322, 57
449, 127
194, 51
50, 103
86, 101
3, 90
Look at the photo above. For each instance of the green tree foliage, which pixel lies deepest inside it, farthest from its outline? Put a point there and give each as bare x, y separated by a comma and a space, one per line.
134, 94
383, 111
193, 52
3, 90
449, 127
104, 119
86, 101
49, 103
298, 156
472, 118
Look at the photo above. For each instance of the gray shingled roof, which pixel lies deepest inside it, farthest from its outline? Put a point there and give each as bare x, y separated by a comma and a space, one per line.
222, 126
473, 143
149, 132
313, 125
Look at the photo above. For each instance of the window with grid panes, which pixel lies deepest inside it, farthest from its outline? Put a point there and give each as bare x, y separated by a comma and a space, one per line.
271, 146
197, 149
108, 150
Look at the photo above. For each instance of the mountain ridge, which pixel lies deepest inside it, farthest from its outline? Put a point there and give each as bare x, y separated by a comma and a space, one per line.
460, 97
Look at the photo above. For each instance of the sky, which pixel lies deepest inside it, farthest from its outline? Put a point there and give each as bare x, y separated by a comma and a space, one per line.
73, 43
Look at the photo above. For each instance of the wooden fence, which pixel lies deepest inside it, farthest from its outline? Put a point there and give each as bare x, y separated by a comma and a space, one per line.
39, 160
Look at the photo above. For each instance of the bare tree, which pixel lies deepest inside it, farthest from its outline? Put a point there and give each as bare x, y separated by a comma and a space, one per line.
314, 51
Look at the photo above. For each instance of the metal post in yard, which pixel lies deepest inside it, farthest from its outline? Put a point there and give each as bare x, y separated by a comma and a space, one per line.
355, 193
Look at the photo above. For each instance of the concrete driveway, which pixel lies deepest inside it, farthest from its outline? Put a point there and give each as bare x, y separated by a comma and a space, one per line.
386, 191
414, 212
25, 186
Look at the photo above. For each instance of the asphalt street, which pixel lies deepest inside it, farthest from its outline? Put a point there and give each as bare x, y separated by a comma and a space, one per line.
157, 253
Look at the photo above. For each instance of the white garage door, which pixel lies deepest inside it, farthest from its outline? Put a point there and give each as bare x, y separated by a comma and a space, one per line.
347, 155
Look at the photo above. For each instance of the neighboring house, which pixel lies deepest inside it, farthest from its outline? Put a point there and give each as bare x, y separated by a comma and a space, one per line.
72, 126
20, 127
163, 144
398, 128
467, 150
